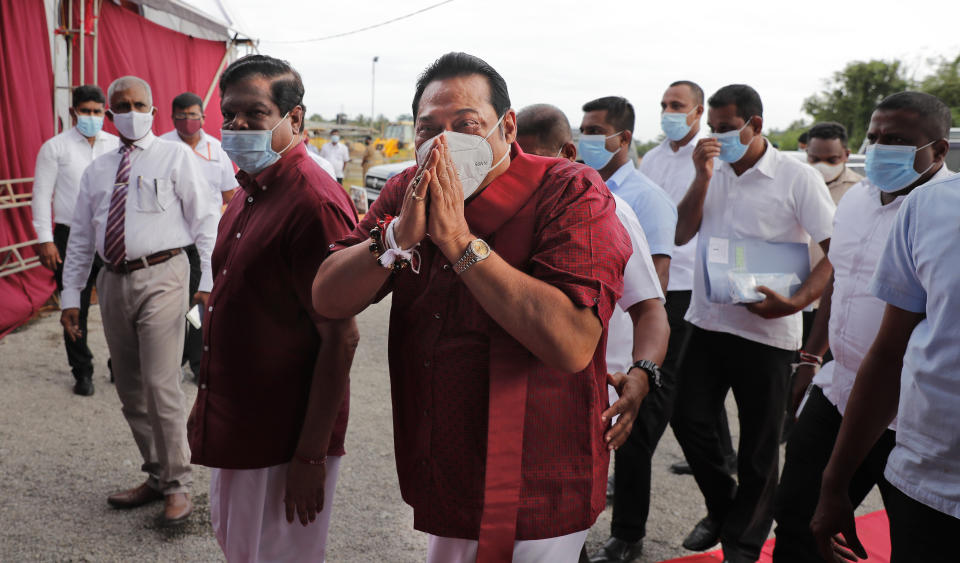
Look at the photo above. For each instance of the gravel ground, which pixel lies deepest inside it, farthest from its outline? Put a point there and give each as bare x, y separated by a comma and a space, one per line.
61, 455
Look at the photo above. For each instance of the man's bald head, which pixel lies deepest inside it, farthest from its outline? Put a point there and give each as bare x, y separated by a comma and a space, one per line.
543, 129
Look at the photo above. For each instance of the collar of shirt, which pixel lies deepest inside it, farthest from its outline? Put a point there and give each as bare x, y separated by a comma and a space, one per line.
143, 143
621, 174
102, 136
847, 176
275, 174
686, 150
767, 165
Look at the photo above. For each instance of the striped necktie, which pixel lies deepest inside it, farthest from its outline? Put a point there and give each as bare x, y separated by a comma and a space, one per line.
114, 247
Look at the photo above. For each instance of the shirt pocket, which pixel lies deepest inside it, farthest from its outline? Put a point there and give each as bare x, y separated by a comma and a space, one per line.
154, 195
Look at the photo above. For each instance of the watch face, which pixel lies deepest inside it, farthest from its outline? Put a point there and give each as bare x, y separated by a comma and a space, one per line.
480, 248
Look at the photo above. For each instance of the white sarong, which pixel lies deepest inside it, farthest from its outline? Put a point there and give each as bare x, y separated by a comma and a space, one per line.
562, 549
249, 518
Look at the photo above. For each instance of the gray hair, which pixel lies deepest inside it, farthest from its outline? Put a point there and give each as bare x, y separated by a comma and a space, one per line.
126, 82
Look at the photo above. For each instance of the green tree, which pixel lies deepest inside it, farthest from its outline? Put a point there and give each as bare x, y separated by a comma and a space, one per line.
852, 93
643, 147
944, 83
786, 139
316, 117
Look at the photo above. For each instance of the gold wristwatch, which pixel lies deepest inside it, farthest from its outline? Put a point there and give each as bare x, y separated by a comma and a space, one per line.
477, 250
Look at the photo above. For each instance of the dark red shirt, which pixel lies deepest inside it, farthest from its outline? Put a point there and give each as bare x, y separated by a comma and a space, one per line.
260, 335
439, 354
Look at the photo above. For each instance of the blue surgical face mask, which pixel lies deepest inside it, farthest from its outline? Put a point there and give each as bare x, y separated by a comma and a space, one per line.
252, 151
89, 125
593, 149
674, 125
890, 167
334, 138
731, 149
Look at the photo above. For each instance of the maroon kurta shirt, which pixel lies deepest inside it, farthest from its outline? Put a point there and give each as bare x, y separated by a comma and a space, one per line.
439, 353
260, 336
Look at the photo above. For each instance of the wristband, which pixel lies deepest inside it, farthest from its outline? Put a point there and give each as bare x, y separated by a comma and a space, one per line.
808, 358
310, 461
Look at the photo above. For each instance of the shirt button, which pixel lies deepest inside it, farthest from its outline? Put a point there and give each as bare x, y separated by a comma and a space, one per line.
210, 309
224, 270
238, 235
436, 316
203, 385
426, 363
206, 348
446, 266
250, 199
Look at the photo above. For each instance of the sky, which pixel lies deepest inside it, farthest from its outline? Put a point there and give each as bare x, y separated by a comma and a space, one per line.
567, 53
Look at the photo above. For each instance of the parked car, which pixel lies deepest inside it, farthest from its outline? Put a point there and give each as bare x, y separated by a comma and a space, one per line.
377, 177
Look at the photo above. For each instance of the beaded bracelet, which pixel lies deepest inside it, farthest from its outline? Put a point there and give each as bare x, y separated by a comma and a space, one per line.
310, 461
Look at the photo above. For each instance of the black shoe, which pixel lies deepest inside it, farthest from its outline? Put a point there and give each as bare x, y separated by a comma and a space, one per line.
615, 550
83, 386
610, 487
705, 535
681, 468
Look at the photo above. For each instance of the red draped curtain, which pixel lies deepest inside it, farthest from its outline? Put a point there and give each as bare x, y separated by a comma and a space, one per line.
26, 112
169, 61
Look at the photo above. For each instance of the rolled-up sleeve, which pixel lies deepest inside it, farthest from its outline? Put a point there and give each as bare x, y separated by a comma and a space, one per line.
583, 248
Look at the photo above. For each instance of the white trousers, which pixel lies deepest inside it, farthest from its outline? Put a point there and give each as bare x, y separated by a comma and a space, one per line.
562, 549
249, 518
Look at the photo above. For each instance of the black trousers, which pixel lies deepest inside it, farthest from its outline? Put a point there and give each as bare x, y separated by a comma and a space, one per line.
808, 452
632, 470
193, 338
79, 355
718, 362
918, 532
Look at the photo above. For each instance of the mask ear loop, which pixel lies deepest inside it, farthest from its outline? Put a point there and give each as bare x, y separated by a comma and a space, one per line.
292, 140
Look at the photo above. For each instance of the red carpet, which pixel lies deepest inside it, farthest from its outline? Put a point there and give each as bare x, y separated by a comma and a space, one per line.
872, 529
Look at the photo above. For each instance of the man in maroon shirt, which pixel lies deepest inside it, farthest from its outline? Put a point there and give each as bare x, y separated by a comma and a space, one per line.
497, 326
272, 404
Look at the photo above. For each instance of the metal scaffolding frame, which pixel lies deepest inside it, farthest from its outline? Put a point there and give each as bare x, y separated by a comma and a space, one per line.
11, 260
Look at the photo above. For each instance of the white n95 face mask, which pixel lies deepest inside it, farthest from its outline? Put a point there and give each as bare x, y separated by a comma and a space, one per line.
471, 154
133, 125
829, 171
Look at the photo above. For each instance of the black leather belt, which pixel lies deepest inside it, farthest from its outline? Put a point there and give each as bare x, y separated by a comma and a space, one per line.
128, 266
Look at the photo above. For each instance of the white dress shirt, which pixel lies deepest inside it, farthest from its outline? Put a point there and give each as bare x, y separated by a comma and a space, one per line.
640, 282
674, 172
215, 165
860, 230
337, 154
779, 199
919, 271
60, 163
655, 210
168, 206
324, 163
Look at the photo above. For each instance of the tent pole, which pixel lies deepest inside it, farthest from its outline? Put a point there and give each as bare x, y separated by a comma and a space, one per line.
83, 40
216, 75
96, 38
